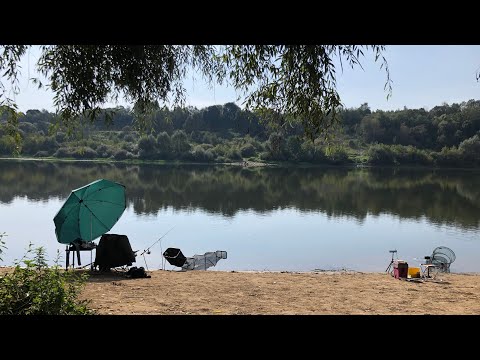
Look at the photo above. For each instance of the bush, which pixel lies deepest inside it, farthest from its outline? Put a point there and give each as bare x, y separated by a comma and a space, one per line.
63, 152
60, 137
411, 155
207, 137
130, 147
233, 154
123, 154
449, 157
220, 150
276, 146
120, 155
381, 155
85, 153
312, 153
207, 146
199, 154
77, 153
180, 144
265, 156
470, 149
130, 137
307, 152
105, 151
36, 289
164, 145
147, 147
33, 144
7, 145
337, 155
247, 150
42, 154
294, 148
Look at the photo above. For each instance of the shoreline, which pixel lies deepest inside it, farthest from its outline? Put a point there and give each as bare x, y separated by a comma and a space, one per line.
142, 162
250, 292
212, 270
277, 293
250, 164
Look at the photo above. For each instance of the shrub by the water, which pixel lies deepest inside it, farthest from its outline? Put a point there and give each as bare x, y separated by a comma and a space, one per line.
34, 288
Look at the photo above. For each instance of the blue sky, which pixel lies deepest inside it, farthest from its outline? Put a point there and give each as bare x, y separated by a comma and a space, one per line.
423, 76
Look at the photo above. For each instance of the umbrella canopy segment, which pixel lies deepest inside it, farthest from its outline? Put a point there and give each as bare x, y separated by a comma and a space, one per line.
90, 211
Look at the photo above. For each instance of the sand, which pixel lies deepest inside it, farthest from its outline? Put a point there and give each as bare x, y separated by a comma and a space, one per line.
221, 292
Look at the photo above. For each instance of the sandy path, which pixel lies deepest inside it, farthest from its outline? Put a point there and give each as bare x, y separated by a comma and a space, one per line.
217, 292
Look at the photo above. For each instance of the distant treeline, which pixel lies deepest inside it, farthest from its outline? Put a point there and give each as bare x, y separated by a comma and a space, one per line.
447, 135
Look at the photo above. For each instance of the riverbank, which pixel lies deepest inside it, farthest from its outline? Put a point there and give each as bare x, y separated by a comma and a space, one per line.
141, 162
220, 292
244, 164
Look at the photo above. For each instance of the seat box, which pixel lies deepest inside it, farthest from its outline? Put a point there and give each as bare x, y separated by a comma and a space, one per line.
400, 269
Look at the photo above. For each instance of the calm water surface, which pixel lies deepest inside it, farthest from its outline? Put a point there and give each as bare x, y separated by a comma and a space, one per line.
266, 219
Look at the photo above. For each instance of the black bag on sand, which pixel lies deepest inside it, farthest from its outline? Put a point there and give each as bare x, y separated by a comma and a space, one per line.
135, 273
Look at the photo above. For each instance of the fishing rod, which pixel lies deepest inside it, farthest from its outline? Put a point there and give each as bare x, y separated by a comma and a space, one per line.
147, 250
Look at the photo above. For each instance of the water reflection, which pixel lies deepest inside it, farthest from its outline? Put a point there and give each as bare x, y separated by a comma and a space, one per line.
443, 197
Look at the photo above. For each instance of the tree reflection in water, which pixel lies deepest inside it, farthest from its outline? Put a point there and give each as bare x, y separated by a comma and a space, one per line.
450, 197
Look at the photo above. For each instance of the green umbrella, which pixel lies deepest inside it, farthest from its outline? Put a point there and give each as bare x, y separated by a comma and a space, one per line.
90, 211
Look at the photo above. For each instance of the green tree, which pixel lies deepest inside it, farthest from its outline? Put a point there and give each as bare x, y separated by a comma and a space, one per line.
471, 149
7, 145
294, 148
180, 144
164, 145
247, 150
147, 147
371, 127
276, 146
294, 80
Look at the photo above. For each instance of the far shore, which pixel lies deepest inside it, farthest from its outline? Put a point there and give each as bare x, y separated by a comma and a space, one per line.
139, 162
245, 164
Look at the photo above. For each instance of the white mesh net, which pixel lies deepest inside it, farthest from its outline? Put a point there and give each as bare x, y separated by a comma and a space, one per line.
203, 262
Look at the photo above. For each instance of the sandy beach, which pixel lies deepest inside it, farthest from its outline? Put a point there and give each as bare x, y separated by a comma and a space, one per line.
221, 292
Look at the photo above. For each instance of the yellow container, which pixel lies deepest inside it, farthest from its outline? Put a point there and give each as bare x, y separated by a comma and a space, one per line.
414, 272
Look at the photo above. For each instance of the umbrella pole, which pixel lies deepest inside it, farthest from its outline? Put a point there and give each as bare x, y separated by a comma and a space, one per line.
67, 261
91, 263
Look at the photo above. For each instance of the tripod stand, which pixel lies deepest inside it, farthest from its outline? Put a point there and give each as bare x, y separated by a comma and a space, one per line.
389, 268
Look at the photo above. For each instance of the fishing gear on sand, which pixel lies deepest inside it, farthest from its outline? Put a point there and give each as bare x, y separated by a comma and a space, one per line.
147, 250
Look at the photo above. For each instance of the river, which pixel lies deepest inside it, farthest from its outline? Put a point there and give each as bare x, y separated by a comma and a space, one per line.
278, 219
